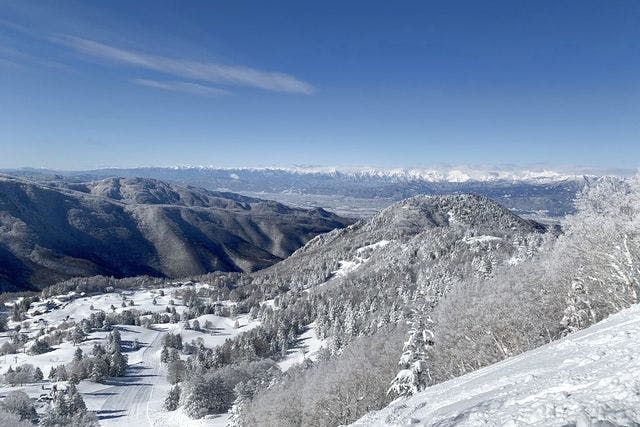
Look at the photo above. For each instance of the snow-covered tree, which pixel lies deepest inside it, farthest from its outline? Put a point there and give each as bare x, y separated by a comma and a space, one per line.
98, 350
115, 359
349, 324
117, 363
206, 395
37, 374
75, 402
77, 355
22, 374
244, 391
172, 401
600, 252
61, 373
68, 408
19, 404
78, 335
99, 370
39, 347
114, 338
175, 371
164, 354
414, 375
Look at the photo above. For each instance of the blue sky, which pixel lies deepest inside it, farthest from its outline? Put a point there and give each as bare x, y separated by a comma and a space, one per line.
88, 84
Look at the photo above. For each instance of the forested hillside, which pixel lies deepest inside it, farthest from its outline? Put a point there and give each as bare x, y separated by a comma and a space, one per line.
587, 378
127, 227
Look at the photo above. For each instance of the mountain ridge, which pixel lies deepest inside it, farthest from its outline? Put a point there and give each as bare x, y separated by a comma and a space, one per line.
58, 230
358, 192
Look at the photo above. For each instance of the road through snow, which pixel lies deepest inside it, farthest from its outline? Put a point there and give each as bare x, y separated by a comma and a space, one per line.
133, 399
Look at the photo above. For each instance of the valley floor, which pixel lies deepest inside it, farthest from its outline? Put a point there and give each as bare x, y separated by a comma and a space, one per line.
588, 378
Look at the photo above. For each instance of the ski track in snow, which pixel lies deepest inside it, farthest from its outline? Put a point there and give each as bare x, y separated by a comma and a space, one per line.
135, 399
129, 403
589, 378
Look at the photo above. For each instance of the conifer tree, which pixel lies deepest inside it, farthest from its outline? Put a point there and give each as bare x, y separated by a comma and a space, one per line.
172, 400
38, 375
414, 375
99, 370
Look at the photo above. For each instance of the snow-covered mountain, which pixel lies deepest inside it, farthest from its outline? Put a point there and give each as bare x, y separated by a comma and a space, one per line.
125, 227
316, 339
416, 235
360, 191
589, 378
452, 174
436, 173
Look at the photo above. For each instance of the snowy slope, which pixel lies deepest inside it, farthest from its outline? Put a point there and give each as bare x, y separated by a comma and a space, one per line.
136, 398
589, 378
308, 347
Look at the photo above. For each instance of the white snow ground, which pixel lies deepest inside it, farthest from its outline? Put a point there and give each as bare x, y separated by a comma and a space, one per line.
135, 399
308, 347
348, 266
589, 378
481, 239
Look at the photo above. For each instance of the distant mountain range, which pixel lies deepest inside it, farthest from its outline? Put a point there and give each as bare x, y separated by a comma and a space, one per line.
449, 174
55, 229
540, 194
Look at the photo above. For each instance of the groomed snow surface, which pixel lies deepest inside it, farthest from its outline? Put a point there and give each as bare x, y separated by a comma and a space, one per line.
589, 378
135, 399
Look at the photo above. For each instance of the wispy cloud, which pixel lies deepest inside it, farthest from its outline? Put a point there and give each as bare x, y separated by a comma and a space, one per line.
186, 69
9, 64
192, 88
17, 58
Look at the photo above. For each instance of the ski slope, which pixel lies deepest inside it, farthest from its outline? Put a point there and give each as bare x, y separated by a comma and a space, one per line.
136, 398
130, 400
588, 378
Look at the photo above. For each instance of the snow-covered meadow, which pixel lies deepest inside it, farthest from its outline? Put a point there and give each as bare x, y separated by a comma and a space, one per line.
138, 396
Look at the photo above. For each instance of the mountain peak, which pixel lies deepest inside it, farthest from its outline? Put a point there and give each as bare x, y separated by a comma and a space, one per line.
421, 212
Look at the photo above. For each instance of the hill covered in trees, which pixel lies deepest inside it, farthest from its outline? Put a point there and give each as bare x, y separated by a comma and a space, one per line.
127, 227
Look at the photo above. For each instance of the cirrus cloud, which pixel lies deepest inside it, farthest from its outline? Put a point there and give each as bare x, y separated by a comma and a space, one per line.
187, 87
235, 75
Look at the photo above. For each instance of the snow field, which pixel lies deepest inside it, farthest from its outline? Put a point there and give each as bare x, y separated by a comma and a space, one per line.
588, 378
348, 266
136, 398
